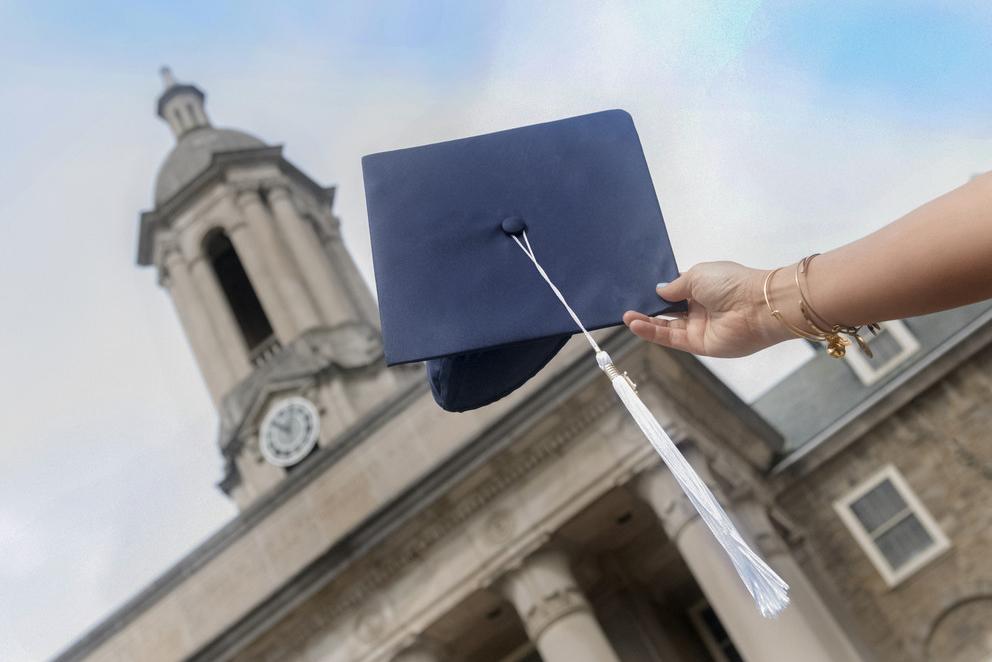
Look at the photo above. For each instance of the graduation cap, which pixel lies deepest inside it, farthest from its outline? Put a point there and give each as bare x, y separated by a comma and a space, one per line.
463, 233
456, 292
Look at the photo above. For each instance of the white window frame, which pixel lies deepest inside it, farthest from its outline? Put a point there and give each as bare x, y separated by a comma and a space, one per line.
711, 644
869, 373
891, 576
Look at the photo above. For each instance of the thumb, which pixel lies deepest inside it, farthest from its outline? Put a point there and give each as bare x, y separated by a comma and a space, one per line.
678, 290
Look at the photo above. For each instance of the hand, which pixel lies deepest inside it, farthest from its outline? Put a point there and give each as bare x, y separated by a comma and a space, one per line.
727, 314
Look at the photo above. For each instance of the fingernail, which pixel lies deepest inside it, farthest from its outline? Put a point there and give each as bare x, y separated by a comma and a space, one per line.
660, 286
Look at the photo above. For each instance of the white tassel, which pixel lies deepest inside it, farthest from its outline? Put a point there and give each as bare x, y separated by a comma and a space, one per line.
770, 592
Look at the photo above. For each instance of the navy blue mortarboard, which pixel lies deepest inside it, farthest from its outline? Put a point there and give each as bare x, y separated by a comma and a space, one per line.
454, 226
456, 291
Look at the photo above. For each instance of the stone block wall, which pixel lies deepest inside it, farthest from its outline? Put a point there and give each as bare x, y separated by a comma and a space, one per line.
941, 442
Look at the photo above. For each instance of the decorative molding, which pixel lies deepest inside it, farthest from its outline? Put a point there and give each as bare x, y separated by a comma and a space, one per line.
499, 527
442, 518
347, 347
372, 619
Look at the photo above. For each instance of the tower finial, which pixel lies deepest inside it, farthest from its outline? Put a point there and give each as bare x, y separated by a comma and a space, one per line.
180, 104
167, 79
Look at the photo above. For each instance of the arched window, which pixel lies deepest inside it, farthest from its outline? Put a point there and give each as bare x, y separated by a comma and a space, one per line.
247, 309
192, 115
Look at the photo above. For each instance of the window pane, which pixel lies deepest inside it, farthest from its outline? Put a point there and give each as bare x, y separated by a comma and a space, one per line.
878, 506
903, 541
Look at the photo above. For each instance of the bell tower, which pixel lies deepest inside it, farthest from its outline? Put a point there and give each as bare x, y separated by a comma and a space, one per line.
282, 325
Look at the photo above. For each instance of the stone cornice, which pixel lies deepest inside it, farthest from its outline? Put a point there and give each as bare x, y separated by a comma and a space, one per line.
162, 215
441, 517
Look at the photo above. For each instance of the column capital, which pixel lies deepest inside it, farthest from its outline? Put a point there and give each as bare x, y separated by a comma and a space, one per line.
543, 590
658, 487
276, 188
757, 519
246, 194
170, 259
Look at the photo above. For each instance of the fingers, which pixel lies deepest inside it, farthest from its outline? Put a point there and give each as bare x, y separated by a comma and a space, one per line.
633, 315
669, 333
678, 290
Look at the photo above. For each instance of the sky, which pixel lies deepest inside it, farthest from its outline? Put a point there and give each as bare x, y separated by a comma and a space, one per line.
772, 130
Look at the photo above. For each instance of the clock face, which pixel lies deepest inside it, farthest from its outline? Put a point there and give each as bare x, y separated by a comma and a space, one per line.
289, 431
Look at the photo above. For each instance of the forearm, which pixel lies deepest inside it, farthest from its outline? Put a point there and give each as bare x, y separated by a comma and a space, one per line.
938, 256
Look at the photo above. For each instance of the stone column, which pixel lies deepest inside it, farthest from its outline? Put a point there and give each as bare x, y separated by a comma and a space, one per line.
326, 286
226, 328
344, 263
786, 638
279, 286
195, 319
803, 597
556, 615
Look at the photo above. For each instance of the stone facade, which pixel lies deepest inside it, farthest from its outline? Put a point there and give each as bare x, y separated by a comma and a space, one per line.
940, 443
543, 526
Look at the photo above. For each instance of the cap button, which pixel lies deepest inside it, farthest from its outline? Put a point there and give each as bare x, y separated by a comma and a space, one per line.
513, 225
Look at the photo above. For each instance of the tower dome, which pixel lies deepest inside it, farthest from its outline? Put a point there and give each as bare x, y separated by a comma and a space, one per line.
181, 106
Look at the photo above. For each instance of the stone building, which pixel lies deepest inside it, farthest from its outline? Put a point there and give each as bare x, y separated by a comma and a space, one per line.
374, 527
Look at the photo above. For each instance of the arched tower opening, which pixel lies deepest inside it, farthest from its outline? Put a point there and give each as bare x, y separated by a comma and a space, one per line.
237, 288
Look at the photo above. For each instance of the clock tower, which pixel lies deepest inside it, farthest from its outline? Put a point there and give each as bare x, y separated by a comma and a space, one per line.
282, 325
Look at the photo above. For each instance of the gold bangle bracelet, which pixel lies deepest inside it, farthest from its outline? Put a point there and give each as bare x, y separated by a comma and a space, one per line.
832, 331
777, 314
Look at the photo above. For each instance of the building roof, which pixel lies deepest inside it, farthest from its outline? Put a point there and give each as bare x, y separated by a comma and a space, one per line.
192, 155
824, 390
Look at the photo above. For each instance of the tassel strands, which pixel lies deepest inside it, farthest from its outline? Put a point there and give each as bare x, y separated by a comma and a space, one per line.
769, 591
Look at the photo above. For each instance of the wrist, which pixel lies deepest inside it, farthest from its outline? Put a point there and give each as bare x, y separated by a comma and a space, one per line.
783, 297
